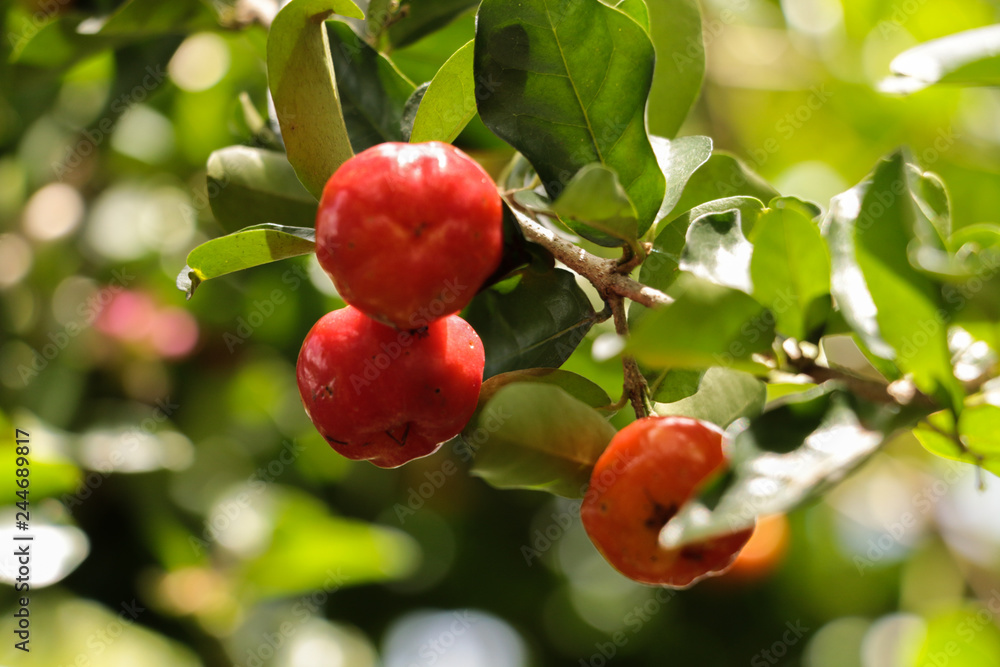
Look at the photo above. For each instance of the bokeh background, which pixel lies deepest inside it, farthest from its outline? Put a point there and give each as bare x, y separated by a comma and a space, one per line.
187, 514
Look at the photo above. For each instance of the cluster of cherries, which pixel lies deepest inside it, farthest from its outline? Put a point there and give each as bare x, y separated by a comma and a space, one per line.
409, 233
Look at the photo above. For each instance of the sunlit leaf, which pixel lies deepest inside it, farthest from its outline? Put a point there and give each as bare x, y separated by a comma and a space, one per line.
722, 396
594, 199
676, 30
449, 102
722, 176
716, 250
967, 58
678, 159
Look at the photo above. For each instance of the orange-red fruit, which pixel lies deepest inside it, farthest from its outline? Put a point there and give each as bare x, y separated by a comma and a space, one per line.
389, 396
649, 470
409, 232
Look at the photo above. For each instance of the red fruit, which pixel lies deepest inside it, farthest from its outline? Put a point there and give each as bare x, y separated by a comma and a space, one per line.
649, 470
384, 395
409, 232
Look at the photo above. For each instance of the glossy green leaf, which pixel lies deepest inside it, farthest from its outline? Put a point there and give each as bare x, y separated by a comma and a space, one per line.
723, 396
594, 199
532, 320
895, 309
722, 176
251, 186
707, 325
676, 30
253, 246
424, 17
802, 445
970, 58
449, 102
807, 209
564, 106
304, 89
312, 549
635, 8
537, 436
671, 385
790, 269
662, 265
678, 160
373, 92
717, 251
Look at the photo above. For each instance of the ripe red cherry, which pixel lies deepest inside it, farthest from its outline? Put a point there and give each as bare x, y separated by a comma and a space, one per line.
649, 470
409, 232
384, 395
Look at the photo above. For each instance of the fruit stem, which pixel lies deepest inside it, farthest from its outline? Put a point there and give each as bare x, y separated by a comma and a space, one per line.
634, 384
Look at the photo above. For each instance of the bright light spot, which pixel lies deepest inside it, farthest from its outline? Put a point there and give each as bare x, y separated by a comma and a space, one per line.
880, 49
144, 134
837, 644
969, 516
111, 228
319, 278
242, 520
168, 223
55, 550
54, 211
893, 641
460, 638
319, 643
135, 449
200, 62
813, 181
15, 259
815, 17
606, 346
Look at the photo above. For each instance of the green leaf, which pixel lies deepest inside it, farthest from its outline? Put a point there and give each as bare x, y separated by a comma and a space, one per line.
716, 250
678, 160
722, 176
976, 441
424, 17
144, 18
956, 636
536, 436
411, 108
707, 325
517, 252
573, 384
449, 102
722, 397
790, 269
662, 266
969, 58
895, 309
250, 186
635, 8
564, 106
57, 44
253, 246
304, 89
373, 92
802, 445
671, 385
676, 30
807, 209
594, 199
311, 549
533, 319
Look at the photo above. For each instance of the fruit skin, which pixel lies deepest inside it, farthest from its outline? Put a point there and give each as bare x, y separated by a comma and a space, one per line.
648, 471
384, 395
409, 232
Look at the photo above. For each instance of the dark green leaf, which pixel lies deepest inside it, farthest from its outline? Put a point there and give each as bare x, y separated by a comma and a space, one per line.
678, 159
517, 253
424, 17
722, 176
970, 58
802, 445
564, 106
303, 86
372, 91
676, 30
707, 325
716, 250
722, 397
244, 249
539, 322
895, 309
534, 435
790, 269
594, 199
410, 110
250, 186
449, 102
672, 385
662, 265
